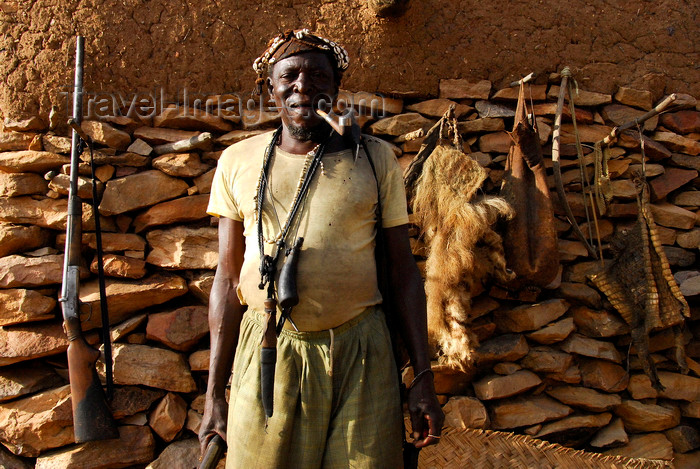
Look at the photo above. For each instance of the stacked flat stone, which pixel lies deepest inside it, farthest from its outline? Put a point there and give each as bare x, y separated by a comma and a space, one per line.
555, 368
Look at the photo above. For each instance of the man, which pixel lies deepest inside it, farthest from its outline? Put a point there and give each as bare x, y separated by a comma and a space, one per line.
336, 398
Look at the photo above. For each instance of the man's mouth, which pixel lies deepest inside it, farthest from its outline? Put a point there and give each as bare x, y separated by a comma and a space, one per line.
306, 109
302, 105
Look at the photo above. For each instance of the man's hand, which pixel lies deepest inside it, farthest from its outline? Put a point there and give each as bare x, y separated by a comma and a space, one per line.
213, 422
426, 415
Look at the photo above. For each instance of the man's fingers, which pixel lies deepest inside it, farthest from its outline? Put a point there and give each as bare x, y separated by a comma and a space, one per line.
427, 441
435, 425
203, 446
429, 433
205, 441
417, 424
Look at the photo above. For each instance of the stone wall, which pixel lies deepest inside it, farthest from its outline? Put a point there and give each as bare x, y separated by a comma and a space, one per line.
557, 367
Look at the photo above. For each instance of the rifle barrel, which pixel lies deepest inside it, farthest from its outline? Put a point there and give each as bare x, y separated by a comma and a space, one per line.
74, 219
77, 110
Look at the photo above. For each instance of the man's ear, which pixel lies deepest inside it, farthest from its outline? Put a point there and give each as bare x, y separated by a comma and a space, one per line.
269, 85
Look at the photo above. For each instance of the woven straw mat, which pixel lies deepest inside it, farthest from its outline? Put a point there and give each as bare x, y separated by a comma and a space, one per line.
487, 449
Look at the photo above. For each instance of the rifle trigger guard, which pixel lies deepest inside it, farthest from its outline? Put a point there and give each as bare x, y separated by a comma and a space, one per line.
89, 305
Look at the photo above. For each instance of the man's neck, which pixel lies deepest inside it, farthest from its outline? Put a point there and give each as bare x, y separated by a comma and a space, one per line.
300, 147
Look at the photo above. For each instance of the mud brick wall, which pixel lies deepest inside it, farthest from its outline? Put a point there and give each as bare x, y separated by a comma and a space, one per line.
135, 46
556, 367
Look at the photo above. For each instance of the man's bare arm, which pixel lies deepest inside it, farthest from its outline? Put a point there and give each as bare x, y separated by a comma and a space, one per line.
225, 313
409, 300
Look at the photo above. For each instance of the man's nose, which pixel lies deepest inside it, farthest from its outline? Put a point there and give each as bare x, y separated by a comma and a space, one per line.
303, 83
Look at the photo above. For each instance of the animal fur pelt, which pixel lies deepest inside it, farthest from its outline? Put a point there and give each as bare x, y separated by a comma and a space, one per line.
530, 238
639, 284
455, 224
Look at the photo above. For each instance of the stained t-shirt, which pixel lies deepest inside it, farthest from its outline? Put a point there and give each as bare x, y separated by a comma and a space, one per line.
337, 276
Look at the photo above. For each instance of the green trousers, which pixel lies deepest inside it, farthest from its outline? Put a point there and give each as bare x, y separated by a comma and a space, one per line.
336, 399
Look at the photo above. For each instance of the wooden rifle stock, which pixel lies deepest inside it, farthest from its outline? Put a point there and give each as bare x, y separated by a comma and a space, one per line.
92, 418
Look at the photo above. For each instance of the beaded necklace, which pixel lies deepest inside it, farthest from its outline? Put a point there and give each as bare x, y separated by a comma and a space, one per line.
311, 163
264, 179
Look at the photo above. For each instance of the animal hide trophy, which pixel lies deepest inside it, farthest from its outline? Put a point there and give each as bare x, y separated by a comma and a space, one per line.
530, 238
463, 248
639, 284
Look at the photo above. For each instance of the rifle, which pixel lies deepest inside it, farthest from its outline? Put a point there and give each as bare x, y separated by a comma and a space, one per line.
92, 418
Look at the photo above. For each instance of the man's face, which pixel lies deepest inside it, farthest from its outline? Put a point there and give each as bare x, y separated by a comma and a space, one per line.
296, 84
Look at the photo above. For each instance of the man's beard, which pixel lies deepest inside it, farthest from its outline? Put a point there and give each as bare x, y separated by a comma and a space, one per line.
317, 133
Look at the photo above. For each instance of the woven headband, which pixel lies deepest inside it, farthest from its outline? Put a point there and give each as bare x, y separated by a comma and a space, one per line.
295, 42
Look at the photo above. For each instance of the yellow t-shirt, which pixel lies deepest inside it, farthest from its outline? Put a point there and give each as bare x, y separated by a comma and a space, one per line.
336, 277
